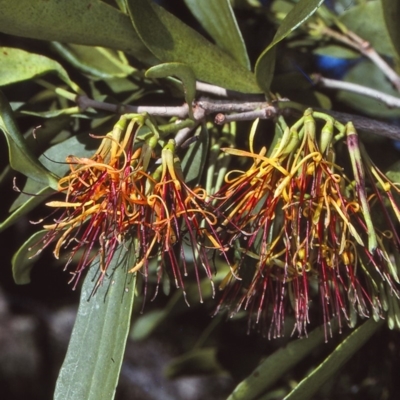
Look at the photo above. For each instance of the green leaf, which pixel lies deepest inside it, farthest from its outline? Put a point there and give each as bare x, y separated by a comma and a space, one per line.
18, 65
171, 40
309, 386
75, 111
147, 323
198, 361
122, 5
336, 51
96, 61
393, 173
218, 19
22, 262
31, 190
93, 23
21, 157
181, 71
266, 61
300, 90
195, 158
367, 73
374, 31
391, 15
53, 158
277, 364
93, 362
324, 101
80, 145
265, 67
30, 203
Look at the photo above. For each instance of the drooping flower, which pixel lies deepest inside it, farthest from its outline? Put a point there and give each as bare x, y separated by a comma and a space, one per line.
176, 223
122, 192
300, 226
103, 196
384, 241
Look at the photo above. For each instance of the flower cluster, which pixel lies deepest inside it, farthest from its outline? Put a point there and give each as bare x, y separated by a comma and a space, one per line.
121, 192
292, 227
302, 227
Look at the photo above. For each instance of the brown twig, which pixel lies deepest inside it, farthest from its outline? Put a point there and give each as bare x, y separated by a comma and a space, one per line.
238, 111
264, 113
85, 102
368, 125
228, 106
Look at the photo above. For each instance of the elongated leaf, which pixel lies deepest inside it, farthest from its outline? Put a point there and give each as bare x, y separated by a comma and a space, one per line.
197, 361
171, 40
29, 204
22, 262
53, 159
277, 364
34, 192
393, 173
93, 362
309, 386
18, 65
93, 23
336, 51
181, 71
80, 145
31, 189
75, 111
146, 324
391, 14
95, 61
366, 71
375, 31
195, 158
21, 157
122, 5
266, 62
219, 21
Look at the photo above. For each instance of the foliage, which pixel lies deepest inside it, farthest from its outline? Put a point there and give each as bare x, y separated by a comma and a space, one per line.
173, 159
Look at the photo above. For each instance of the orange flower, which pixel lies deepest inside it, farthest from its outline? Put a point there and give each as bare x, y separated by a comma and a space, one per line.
103, 197
301, 226
121, 193
177, 223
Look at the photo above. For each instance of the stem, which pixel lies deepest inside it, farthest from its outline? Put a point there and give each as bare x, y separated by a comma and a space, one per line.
390, 101
205, 106
264, 113
365, 48
225, 106
85, 102
222, 92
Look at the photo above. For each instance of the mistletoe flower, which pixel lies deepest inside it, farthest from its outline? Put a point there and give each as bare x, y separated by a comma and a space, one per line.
248, 196
119, 193
383, 239
103, 194
301, 226
176, 223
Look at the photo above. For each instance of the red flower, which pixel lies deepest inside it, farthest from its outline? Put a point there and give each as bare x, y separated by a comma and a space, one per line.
301, 226
120, 193
176, 223
104, 195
